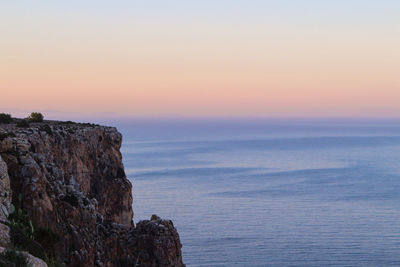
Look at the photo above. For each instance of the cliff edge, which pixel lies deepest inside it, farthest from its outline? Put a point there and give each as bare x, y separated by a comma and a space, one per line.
70, 180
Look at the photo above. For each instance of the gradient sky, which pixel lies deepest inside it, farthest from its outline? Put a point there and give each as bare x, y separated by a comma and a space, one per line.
201, 58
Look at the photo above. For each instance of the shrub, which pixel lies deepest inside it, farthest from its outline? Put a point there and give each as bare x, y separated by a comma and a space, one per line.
5, 118
23, 124
35, 117
18, 218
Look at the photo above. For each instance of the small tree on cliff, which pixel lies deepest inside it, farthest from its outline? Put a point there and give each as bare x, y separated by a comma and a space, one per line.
35, 117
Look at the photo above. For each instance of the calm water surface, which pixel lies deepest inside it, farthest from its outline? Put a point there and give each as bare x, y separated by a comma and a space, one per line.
271, 193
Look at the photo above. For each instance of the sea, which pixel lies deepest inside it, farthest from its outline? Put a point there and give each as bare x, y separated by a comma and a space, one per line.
270, 192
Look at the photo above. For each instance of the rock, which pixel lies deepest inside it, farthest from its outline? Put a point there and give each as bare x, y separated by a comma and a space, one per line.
154, 217
5, 201
158, 240
73, 183
33, 261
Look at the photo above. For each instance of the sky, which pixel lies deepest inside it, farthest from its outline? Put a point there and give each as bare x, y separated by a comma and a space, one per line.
204, 58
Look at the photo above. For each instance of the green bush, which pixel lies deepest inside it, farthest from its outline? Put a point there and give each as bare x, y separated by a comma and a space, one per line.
22, 231
35, 117
18, 218
5, 118
23, 124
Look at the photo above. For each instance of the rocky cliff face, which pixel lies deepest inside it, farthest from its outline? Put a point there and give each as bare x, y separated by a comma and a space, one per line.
5, 202
72, 182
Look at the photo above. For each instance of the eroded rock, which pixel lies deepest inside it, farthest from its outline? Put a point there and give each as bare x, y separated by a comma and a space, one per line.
72, 182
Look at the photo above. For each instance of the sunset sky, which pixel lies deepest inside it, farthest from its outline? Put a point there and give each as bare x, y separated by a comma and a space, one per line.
201, 58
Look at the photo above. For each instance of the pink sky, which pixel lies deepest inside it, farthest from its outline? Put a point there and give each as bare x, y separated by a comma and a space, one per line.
222, 64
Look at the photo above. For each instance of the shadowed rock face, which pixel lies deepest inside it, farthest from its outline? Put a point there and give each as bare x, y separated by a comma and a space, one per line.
73, 182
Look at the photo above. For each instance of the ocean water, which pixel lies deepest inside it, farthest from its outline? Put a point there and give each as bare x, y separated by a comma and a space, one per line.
270, 192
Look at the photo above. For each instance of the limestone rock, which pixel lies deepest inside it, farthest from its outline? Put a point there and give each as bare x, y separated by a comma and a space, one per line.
157, 240
73, 182
5, 201
33, 261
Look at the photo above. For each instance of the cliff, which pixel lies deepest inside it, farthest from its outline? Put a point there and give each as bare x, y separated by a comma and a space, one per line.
70, 180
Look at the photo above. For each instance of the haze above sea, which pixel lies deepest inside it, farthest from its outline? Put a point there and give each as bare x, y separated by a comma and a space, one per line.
270, 192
